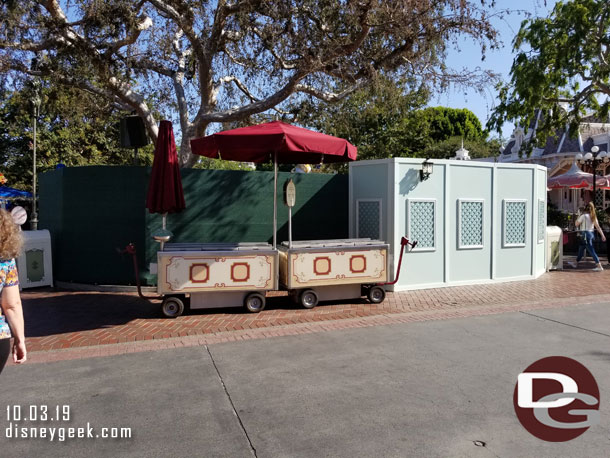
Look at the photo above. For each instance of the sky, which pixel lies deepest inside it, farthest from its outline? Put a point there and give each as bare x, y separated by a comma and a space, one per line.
499, 61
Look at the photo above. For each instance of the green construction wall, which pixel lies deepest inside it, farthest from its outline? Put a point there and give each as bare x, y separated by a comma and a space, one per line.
93, 211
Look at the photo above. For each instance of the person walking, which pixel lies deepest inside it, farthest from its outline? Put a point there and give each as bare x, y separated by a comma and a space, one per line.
587, 223
11, 312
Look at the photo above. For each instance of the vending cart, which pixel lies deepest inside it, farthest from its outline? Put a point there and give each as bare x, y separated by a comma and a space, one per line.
325, 270
215, 275
235, 274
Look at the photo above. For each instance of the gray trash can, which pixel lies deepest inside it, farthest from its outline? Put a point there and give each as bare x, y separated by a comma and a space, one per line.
554, 248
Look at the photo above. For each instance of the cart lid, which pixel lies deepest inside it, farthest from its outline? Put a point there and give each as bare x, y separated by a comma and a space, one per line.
334, 243
216, 246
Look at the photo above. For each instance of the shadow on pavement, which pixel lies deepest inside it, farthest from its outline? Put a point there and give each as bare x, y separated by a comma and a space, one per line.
53, 313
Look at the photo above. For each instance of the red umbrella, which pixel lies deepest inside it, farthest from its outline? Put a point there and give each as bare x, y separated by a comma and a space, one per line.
165, 193
576, 179
277, 141
293, 145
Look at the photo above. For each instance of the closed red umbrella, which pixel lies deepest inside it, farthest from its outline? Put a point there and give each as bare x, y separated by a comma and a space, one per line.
278, 142
165, 193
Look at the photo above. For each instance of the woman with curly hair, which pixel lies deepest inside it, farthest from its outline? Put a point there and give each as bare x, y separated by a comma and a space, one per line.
11, 313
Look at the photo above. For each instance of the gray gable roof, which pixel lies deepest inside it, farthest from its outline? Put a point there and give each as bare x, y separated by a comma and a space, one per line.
571, 143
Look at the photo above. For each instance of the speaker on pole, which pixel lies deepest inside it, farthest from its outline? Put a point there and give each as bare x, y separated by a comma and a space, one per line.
133, 132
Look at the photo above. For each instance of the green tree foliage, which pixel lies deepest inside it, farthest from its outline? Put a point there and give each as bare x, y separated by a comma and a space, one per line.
203, 62
561, 61
388, 120
477, 148
73, 128
371, 118
429, 132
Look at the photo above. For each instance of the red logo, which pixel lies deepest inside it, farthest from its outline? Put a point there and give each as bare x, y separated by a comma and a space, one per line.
556, 399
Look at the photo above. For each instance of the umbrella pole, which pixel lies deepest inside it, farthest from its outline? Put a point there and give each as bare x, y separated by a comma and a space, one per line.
289, 227
274, 200
575, 196
163, 225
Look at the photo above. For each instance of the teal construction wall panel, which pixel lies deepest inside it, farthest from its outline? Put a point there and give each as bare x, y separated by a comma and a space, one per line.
470, 187
514, 189
369, 205
424, 264
502, 236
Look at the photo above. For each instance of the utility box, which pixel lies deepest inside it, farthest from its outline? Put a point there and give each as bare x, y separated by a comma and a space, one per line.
35, 263
554, 248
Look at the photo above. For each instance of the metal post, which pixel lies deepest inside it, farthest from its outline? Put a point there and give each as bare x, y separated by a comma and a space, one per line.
34, 219
274, 200
289, 227
594, 178
573, 201
163, 224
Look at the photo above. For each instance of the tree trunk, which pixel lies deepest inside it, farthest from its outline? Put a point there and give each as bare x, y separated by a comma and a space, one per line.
187, 159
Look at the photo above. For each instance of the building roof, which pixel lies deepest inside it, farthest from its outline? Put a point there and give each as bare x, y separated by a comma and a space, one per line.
590, 132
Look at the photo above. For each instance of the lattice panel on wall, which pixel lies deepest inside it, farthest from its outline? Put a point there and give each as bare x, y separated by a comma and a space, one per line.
369, 215
514, 223
471, 224
422, 224
541, 220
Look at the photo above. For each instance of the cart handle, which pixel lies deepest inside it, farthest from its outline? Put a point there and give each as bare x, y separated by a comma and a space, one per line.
403, 242
131, 249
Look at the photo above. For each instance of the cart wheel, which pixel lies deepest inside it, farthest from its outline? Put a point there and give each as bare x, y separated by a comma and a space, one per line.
172, 307
254, 302
376, 295
308, 299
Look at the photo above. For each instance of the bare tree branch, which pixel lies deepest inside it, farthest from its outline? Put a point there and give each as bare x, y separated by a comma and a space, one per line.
144, 24
286, 65
235, 114
242, 87
330, 96
199, 51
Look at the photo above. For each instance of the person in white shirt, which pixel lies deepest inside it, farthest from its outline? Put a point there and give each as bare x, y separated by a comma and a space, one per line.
587, 223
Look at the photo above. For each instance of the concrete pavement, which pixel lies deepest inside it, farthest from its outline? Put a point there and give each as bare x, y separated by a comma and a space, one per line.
67, 325
419, 389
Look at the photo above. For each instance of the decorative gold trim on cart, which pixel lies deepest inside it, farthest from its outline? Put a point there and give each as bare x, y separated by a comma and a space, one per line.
191, 273
309, 269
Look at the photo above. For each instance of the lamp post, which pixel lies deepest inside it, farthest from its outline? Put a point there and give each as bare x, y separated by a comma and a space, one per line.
593, 159
35, 112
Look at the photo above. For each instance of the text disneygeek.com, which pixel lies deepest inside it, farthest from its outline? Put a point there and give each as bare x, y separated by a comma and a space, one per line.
41, 422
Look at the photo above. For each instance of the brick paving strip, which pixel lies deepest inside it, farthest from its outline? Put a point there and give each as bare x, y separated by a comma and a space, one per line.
300, 328
74, 325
